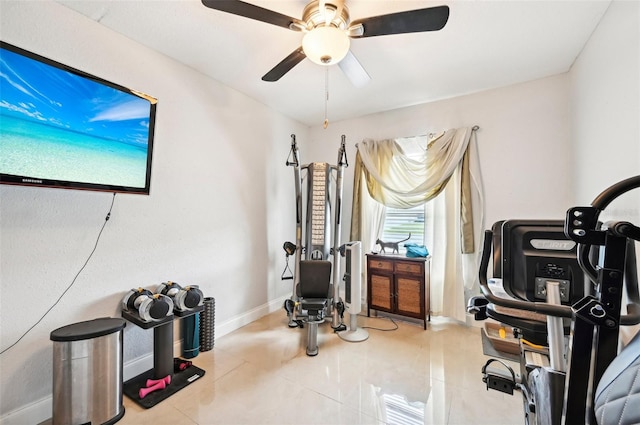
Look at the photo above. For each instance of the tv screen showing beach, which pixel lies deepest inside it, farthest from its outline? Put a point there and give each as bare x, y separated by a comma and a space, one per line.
65, 128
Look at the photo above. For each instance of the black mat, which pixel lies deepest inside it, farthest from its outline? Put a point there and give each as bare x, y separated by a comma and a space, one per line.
179, 381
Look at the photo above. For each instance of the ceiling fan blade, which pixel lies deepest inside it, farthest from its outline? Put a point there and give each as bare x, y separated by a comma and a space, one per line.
354, 70
248, 10
420, 20
285, 65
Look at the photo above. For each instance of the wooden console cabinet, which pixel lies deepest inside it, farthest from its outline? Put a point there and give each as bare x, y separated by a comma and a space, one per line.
399, 285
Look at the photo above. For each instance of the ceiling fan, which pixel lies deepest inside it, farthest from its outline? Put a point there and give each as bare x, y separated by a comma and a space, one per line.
328, 29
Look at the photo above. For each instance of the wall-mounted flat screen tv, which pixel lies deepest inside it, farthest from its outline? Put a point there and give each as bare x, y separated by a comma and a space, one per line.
61, 127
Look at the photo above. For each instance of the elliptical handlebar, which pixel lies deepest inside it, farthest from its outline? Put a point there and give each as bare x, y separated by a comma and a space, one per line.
612, 192
536, 307
624, 229
582, 226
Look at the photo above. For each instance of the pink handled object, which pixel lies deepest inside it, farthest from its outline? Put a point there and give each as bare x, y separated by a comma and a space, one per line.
159, 386
166, 379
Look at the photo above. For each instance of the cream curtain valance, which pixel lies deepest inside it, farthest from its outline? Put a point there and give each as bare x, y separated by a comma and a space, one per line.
398, 180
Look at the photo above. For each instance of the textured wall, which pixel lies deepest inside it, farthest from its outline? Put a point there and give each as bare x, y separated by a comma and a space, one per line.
220, 205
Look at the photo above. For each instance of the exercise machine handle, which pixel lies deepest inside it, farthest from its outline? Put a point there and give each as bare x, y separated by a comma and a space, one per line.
293, 153
612, 192
582, 226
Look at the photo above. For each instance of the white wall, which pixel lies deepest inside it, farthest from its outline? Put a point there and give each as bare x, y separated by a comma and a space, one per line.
605, 109
216, 217
523, 144
605, 112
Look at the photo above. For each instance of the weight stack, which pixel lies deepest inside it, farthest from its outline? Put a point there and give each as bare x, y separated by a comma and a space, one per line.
207, 324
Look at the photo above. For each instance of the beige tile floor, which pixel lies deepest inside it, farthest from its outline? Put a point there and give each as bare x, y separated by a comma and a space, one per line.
260, 374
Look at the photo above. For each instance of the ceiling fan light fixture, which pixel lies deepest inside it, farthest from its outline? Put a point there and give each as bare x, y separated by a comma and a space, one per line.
326, 45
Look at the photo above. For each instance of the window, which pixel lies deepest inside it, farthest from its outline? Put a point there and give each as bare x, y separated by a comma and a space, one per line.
398, 223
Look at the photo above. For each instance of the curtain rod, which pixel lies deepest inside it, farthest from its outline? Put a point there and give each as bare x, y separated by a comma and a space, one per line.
474, 128
430, 135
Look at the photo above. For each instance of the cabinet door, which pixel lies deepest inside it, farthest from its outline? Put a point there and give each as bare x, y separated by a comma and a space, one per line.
410, 296
381, 291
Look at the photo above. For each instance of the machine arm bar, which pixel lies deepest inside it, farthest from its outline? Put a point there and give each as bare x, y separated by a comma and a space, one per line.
625, 229
298, 187
611, 193
585, 262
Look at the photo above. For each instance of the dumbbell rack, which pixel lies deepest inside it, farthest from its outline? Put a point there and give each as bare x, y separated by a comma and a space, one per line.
162, 360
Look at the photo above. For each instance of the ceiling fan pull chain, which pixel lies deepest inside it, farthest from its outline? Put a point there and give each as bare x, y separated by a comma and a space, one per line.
326, 96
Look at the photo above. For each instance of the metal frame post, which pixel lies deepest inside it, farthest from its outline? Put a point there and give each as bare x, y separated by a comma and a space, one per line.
337, 227
298, 187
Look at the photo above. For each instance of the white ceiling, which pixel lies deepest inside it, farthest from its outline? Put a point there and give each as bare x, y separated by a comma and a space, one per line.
485, 44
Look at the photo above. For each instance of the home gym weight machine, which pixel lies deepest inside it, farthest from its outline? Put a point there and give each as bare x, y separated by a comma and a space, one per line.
315, 295
536, 266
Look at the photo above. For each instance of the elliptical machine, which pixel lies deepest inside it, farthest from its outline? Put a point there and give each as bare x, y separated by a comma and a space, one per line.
559, 387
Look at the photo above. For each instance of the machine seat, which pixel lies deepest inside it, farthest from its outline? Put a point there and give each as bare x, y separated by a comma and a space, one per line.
315, 279
314, 287
314, 292
314, 304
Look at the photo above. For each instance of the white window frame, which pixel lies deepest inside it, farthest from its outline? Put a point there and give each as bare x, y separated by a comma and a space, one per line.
398, 223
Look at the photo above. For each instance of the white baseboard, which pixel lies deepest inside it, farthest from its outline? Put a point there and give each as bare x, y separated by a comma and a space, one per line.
40, 411
239, 321
32, 413
135, 367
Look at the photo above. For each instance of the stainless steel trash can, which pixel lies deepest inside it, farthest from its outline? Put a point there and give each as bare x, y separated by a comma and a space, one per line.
87, 372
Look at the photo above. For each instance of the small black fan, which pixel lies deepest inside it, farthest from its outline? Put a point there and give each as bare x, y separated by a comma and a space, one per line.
328, 30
